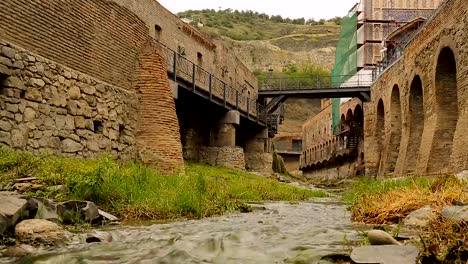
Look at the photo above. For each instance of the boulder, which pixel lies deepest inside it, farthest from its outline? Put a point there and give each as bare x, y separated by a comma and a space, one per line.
456, 213
385, 254
73, 211
39, 231
12, 208
420, 217
379, 237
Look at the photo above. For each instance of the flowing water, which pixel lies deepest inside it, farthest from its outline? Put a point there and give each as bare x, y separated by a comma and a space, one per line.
277, 232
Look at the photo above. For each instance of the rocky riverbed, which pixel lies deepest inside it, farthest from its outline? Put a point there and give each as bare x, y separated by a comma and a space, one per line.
279, 232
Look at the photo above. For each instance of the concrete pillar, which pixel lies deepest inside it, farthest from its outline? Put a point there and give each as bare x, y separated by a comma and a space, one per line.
257, 153
223, 134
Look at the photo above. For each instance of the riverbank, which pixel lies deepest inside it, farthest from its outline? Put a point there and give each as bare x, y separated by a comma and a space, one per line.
133, 191
434, 207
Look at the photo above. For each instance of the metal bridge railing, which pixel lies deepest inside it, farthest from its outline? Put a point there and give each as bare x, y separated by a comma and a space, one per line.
180, 68
315, 82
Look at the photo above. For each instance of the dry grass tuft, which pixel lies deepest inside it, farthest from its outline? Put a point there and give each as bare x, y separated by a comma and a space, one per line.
388, 202
392, 206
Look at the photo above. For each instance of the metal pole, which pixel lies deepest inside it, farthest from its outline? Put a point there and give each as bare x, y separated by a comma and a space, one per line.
210, 86
194, 70
174, 69
224, 95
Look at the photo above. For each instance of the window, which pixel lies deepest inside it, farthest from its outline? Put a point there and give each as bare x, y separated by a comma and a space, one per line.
157, 32
199, 59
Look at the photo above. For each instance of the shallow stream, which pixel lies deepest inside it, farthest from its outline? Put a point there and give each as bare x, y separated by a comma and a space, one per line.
276, 232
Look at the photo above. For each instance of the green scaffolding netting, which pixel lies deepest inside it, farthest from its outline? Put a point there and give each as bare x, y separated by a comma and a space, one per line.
345, 61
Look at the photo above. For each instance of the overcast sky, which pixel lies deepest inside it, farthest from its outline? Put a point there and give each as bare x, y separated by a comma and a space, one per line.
287, 8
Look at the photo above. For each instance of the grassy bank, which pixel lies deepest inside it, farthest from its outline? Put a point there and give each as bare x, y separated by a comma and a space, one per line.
136, 192
390, 201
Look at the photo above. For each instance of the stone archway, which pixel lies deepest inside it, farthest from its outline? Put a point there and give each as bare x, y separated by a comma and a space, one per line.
447, 111
415, 124
395, 132
380, 133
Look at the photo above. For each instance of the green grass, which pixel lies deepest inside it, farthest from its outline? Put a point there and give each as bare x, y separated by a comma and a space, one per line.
135, 192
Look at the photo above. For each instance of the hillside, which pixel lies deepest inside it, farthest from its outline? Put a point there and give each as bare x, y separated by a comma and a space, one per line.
265, 42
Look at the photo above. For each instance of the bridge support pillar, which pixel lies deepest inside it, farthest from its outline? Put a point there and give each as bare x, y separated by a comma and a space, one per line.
222, 150
223, 134
258, 156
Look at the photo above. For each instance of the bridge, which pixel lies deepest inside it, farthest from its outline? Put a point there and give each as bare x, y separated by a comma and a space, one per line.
275, 91
267, 110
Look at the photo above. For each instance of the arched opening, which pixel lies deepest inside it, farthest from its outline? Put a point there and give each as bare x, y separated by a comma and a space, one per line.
395, 132
380, 132
349, 116
416, 123
446, 109
359, 115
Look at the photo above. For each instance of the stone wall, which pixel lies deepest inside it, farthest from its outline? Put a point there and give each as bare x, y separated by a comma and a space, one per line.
231, 157
46, 106
416, 122
333, 173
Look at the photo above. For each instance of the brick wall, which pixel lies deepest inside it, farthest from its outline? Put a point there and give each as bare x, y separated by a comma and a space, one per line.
323, 152
96, 37
431, 77
158, 131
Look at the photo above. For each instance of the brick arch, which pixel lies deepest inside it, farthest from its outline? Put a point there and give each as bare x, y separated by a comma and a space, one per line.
158, 135
393, 148
415, 123
380, 132
446, 99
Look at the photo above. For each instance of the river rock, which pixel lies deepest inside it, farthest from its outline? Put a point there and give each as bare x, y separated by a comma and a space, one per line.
18, 251
12, 207
456, 213
420, 217
462, 176
379, 237
39, 231
72, 211
385, 254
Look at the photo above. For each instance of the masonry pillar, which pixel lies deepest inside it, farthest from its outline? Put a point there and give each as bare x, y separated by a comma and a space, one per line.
257, 152
222, 150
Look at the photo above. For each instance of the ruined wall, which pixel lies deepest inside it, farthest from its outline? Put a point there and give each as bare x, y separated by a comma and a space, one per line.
416, 122
46, 106
331, 173
231, 157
